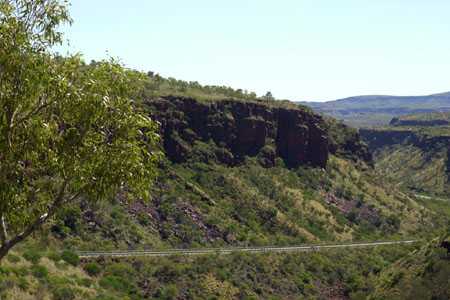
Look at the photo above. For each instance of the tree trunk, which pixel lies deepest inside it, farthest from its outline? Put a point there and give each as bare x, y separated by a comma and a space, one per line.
23, 235
4, 250
7, 245
3, 230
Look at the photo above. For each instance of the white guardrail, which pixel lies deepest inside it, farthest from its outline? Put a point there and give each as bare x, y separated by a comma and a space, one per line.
229, 250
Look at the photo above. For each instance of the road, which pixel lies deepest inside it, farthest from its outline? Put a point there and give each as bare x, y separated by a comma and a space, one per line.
205, 251
429, 198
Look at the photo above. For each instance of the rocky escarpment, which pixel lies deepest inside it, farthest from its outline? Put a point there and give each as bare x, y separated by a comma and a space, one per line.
403, 122
379, 138
239, 129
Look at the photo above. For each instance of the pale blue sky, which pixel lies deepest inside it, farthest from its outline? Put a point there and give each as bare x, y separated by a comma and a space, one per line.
298, 49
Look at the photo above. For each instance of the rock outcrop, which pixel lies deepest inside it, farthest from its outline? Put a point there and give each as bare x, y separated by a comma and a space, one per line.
300, 138
426, 123
379, 138
241, 129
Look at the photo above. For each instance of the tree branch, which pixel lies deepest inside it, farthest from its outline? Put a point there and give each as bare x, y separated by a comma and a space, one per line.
33, 112
3, 230
59, 201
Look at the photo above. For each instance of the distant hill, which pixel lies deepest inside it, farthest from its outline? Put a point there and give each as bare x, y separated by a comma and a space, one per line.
375, 110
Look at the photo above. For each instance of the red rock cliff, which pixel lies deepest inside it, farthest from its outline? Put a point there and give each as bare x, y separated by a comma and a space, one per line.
242, 129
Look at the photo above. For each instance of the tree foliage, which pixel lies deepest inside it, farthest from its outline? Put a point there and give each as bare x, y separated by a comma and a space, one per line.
67, 129
268, 96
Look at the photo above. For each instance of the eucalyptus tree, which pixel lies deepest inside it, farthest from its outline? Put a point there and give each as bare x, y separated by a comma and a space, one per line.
67, 129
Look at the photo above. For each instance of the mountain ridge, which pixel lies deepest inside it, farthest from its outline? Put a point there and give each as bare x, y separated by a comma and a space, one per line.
376, 96
375, 110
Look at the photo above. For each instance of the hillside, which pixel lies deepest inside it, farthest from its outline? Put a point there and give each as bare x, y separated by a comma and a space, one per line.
414, 156
367, 111
333, 274
248, 173
236, 172
423, 274
121, 185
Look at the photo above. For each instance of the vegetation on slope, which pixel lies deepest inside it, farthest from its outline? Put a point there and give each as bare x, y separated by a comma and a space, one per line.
300, 179
414, 156
348, 274
423, 274
159, 86
200, 204
204, 202
414, 168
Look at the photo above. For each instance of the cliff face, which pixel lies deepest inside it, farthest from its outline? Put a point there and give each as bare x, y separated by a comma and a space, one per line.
244, 129
379, 138
402, 122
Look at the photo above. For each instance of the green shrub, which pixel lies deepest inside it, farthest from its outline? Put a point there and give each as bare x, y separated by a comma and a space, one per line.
5, 283
54, 256
70, 257
13, 258
39, 272
168, 292
106, 297
120, 269
117, 283
143, 219
86, 282
21, 271
32, 255
64, 293
56, 281
117, 214
60, 230
93, 269
71, 215
394, 222
4, 270
23, 283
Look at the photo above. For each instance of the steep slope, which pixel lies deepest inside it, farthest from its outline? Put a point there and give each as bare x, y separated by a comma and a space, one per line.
333, 274
414, 157
249, 173
424, 274
363, 111
236, 172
